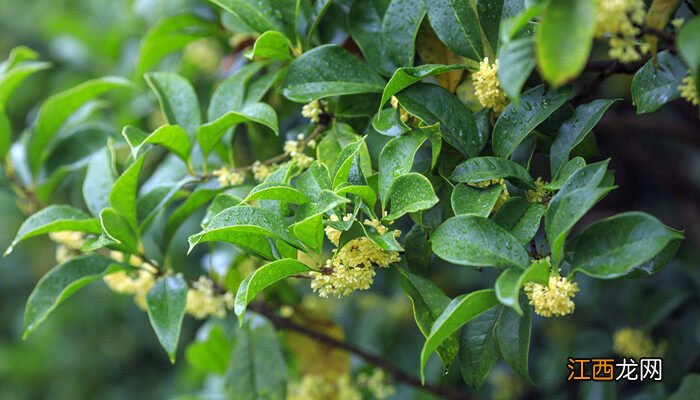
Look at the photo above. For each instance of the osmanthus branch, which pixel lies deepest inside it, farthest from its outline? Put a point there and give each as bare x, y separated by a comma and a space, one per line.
396, 373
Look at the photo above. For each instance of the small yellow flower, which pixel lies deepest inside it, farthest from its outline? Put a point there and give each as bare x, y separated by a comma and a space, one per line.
227, 177
630, 342
540, 195
136, 283
71, 240
314, 110
202, 301
376, 383
618, 20
487, 88
677, 23
689, 90
261, 171
554, 299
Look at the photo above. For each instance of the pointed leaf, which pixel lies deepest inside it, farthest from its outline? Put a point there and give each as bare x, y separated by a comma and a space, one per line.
477, 201
166, 303
177, 99
209, 134
410, 193
486, 168
456, 24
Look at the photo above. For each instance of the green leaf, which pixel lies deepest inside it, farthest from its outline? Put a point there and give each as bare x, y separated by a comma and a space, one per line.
565, 173
230, 95
169, 35
433, 105
344, 162
400, 27
478, 241
56, 109
273, 45
172, 137
612, 247
478, 352
656, 83
687, 43
410, 193
177, 99
166, 303
247, 227
55, 218
11, 78
366, 193
396, 159
276, 191
388, 122
460, 311
59, 284
487, 168
221, 202
366, 31
315, 179
578, 195
407, 76
99, 179
263, 277
210, 353
574, 130
192, 203
520, 217
73, 149
477, 201
516, 62
257, 14
517, 121
258, 369
5, 133
511, 280
118, 230
689, 387
122, 198
456, 24
565, 38
428, 303
327, 71
209, 134
513, 339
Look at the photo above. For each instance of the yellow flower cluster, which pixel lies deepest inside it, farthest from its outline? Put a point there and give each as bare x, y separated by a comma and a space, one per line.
376, 383
630, 342
619, 20
295, 149
69, 244
320, 387
261, 171
352, 268
134, 283
540, 195
689, 91
504, 193
554, 299
314, 110
486, 86
202, 301
227, 177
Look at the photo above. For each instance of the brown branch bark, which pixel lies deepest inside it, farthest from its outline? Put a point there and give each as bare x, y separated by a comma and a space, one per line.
397, 374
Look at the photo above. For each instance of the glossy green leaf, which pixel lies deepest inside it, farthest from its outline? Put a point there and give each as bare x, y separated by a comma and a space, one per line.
574, 130
59, 284
263, 277
315, 179
209, 134
366, 193
399, 29
257, 369
366, 31
407, 76
516, 62
273, 45
118, 230
73, 149
55, 218
230, 95
513, 338
656, 83
261, 15
5, 132
428, 303
248, 227
517, 121
487, 168
123, 195
479, 242
396, 159
510, 282
172, 137
565, 173
276, 191
344, 162
177, 98
612, 247
565, 38
472, 200
221, 202
58, 108
169, 35
326, 71
478, 351
192, 203
99, 179
460, 311
520, 217
456, 24
433, 105
410, 193
166, 303
388, 122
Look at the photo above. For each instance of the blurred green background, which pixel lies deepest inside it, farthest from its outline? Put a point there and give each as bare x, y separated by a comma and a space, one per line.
101, 346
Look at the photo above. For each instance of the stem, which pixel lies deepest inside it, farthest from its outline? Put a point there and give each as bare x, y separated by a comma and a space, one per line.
397, 373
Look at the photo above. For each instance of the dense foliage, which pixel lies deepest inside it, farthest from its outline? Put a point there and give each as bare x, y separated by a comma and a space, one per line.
344, 142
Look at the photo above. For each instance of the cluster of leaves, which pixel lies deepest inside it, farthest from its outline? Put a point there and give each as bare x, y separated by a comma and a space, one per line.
426, 171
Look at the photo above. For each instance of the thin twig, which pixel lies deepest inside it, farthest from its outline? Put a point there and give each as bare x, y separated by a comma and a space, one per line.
397, 373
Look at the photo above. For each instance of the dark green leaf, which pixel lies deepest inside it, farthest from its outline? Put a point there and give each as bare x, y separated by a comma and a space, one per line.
456, 24
193, 202
399, 28
407, 76
396, 159
487, 168
410, 193
516, 62
230, 95
656, 83
366, 31
472, 200
209, 134
388, 122
520, 217
511, 280
478, 352
687, 43
513, 339
177, 99
477, 241
344, 162
166, 303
